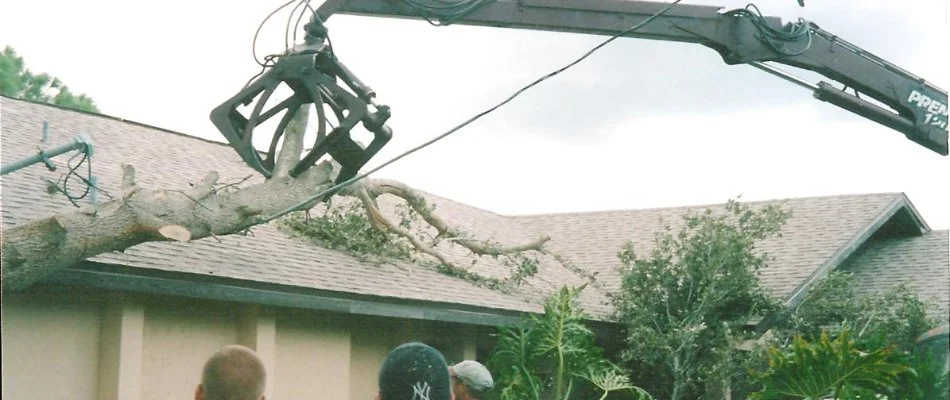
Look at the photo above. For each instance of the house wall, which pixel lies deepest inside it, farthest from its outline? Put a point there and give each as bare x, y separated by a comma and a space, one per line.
50, 349
78, 344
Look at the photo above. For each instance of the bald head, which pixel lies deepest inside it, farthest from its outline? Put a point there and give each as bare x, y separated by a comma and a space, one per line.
233, 373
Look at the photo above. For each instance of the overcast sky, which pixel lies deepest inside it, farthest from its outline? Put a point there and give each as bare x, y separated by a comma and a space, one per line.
639, 124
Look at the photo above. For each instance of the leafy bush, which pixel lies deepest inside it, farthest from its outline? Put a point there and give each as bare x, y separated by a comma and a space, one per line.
895, 317
685, 304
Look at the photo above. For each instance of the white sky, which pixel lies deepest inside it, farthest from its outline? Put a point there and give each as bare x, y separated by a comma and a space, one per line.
639, 124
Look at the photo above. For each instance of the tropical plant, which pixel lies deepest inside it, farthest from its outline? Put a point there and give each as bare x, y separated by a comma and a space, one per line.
610, 379
549, 356
827, 369
927, 380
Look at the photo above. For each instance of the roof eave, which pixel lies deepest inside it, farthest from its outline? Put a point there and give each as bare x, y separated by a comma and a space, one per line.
101, 276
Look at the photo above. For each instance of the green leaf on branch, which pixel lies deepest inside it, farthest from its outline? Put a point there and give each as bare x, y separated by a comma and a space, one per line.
347, 229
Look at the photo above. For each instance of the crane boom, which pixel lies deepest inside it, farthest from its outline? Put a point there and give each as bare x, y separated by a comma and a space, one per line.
904, 102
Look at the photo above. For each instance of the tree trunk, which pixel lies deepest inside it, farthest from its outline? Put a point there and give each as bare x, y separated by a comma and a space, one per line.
677, 380
37, 248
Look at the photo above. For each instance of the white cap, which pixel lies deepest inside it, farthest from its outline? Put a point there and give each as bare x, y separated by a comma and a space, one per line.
473, 374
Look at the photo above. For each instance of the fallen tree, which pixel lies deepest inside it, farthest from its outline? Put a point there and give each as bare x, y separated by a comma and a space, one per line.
37, 248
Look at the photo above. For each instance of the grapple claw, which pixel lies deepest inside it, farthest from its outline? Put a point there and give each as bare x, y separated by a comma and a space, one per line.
312, 76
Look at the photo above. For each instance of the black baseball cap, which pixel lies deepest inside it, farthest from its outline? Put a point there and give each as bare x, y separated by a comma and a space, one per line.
415, 371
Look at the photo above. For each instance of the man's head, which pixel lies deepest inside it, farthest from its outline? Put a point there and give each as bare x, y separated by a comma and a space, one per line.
414, 371
232, 373
470, 380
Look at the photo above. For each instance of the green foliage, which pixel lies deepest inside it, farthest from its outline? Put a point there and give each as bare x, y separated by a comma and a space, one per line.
889, 322
610, 380
551, 356
827, 368
347, 229
896, 317
929, 380
685, 303
18, 82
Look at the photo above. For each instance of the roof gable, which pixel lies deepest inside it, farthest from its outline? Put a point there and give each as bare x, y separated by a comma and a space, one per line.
922, 262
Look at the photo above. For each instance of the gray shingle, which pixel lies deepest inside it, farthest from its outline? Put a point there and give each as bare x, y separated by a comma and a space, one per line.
818, 227
921, 262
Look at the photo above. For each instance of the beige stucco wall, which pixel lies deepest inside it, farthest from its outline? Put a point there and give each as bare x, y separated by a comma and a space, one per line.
108, 346
50, 349
178, 337
312, 357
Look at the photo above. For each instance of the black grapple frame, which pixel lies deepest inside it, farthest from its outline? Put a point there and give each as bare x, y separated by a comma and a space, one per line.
311, 71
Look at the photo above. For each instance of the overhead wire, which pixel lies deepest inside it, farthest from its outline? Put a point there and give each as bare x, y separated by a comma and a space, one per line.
356, 178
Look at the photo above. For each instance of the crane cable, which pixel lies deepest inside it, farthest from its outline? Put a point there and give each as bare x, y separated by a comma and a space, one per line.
776, 38
341, 185
447, 11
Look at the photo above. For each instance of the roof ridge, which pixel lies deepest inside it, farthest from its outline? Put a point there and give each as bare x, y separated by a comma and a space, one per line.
113, 118
774, 200
221, 143
443, 198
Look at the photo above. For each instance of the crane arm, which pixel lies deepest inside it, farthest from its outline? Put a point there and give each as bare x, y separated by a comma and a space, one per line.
903, 101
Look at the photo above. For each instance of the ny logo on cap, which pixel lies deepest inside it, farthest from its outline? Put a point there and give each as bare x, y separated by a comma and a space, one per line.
420, 391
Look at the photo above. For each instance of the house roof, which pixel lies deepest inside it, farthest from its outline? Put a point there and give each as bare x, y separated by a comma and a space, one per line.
821, 233
819, 229
920, 262
164, 159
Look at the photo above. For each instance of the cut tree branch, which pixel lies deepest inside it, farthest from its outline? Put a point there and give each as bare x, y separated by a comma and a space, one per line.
382, 223
375, 188
367, 191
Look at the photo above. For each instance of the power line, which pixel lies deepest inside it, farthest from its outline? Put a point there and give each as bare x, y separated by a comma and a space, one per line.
341, 185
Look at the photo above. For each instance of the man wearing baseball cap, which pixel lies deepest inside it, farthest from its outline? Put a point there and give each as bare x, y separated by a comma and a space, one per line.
414, 371
470, 380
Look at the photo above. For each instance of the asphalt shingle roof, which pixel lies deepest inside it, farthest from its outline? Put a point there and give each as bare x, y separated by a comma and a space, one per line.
920, 262
167, 160
819, 227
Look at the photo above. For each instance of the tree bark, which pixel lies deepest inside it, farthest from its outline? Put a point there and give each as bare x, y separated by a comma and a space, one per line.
37, 248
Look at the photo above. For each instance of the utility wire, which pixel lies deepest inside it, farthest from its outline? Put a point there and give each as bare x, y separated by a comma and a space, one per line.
359, 177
